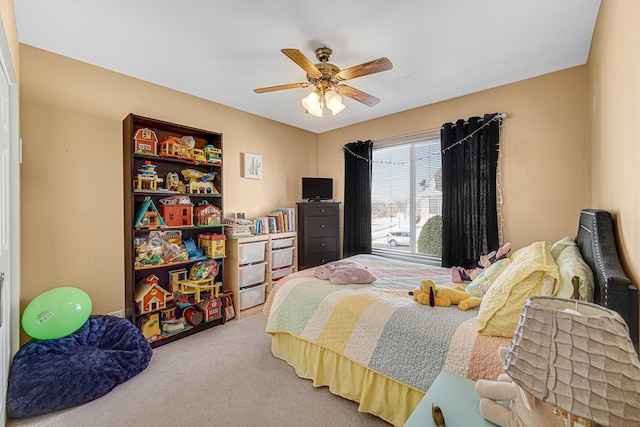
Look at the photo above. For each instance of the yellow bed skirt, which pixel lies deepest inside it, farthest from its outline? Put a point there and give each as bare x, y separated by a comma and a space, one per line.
376, 394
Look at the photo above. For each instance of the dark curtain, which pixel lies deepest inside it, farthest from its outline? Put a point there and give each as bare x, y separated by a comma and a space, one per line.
469, 212
357, 198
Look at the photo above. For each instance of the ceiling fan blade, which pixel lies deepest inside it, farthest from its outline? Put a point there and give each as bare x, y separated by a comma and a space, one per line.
280, 87
375, 66
358, 95
296, 56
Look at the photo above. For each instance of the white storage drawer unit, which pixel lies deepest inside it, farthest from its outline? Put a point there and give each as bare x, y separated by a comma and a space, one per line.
251, 252
250, 297
281, 257
282, 243
251, 274
280, 273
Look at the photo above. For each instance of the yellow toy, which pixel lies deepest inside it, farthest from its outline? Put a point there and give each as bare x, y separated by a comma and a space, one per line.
444, 296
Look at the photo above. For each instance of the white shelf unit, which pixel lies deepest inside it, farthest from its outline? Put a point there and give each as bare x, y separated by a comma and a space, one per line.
247, 257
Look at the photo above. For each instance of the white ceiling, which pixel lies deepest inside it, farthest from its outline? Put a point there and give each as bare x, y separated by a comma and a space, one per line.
222, 50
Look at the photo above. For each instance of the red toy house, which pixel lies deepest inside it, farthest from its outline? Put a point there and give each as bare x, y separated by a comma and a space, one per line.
177, 211
145, 142
150, 296
211, 309
207, 214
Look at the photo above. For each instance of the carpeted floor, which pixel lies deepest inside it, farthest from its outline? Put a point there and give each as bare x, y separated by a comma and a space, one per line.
224, 376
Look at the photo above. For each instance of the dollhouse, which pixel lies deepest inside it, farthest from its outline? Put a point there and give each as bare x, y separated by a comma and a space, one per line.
148, 216
172, 146
145, 142
177, 211
150, 296
207, 214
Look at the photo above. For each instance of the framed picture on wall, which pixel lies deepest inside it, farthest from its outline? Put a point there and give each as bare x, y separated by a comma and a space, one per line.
252, 166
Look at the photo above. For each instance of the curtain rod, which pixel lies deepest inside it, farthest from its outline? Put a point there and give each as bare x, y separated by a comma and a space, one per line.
407, 135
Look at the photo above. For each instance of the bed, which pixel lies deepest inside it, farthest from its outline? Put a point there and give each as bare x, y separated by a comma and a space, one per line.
375, 345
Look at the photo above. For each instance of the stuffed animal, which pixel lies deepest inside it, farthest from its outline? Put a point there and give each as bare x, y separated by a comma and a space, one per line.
444, 296
344, 273
525, 410
460, 274
324, 271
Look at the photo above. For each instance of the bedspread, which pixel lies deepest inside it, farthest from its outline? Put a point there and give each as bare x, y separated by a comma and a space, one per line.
380, 327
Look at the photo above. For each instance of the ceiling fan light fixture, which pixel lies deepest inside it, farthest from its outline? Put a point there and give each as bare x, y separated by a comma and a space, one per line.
312, 104
334, 102
311, 101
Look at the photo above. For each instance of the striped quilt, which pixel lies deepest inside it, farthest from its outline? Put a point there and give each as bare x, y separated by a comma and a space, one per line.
380, 327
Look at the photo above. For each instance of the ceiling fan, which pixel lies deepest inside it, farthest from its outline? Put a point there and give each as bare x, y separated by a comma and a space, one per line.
327, 79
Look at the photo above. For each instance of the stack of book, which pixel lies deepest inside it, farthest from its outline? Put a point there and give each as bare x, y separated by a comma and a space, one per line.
278, 221
237, 227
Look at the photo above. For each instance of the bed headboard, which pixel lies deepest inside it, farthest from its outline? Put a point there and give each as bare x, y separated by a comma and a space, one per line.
613, 288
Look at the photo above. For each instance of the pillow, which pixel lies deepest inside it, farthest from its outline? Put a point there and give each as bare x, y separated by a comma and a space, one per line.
560, 245
489, 274
531, 268
572, 267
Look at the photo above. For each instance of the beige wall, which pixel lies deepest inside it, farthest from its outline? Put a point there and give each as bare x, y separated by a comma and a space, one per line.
544, 148
613, 94
72, 204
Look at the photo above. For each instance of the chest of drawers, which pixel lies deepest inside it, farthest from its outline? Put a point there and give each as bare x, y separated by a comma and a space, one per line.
318, 239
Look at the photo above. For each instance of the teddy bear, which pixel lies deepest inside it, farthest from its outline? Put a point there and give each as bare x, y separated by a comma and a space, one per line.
444, 296
525, 410
344, 273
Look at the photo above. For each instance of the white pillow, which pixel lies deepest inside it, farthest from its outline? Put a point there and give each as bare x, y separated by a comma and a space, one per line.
571, 265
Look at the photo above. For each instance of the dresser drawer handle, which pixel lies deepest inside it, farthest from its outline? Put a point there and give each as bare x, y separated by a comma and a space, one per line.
322, 244
322, 210
321, 225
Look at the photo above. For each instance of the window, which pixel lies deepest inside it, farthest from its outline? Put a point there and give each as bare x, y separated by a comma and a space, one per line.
406, 199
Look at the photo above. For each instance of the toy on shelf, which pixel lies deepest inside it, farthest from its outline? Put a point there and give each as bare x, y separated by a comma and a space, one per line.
172, 146
147, 179
150, 296
206, 214
193, 315
177, 211
197, 156
200, 182
149, 325
200, 279
213, 245
145, 142
212, 154
176, 277
211, 309
148, 216
169, 236
168, 313
204, 270
174, 326
195, 253
174, 184
151, 250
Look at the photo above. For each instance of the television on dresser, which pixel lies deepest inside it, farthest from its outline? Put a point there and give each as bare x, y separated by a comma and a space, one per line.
317, 189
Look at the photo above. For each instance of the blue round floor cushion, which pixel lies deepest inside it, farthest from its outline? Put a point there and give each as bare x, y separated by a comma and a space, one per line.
55, 374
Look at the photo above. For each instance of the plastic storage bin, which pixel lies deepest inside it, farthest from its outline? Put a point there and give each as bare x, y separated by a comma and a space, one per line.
251, 252
280, 273
282, 243
281, 257
251, 274
250, 297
